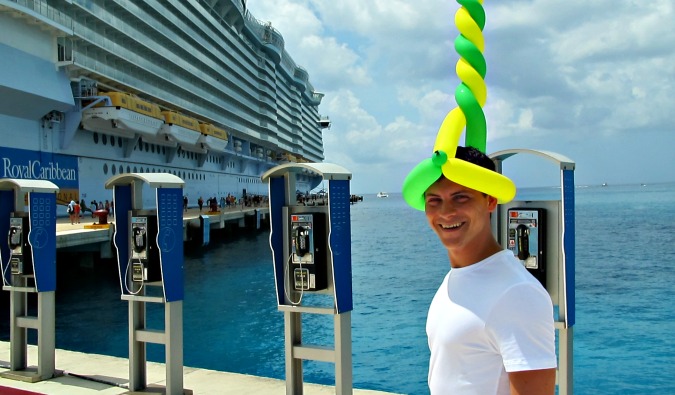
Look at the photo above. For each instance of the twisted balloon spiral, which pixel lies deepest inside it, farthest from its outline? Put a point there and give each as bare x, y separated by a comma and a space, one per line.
470, 95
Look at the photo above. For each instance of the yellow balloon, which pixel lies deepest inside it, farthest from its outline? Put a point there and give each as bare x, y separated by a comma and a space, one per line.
448, 135
469, 28
473, 80
480, 179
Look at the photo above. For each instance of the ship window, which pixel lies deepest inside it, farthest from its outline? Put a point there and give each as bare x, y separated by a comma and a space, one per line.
152, 147
105, 139
147, 148
112, 141
113, 169
119, 141
135, 171
105, 168
121, 169
128, 169
163, 150
95, 138
147, 170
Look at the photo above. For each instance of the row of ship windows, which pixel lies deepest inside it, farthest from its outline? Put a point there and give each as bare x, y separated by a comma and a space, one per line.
182, 174
144, 146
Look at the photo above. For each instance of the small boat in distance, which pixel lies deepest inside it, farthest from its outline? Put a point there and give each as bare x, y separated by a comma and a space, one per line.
382, 194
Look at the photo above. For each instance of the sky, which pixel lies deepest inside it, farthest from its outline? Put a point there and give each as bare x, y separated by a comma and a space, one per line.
593, 81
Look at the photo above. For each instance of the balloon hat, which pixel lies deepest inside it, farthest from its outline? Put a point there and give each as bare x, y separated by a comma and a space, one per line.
470, 96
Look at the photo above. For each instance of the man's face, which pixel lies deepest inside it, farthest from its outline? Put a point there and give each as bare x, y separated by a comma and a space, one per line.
459, 215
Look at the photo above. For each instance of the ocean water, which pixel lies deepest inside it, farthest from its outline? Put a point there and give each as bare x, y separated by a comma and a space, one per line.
624, 339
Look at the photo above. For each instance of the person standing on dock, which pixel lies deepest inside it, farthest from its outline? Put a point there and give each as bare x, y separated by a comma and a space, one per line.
490, 324
200, 203
70, 209
76, 207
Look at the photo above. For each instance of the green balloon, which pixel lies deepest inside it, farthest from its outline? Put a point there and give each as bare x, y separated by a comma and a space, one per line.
439, 158
418, 181
476, 11
476, 125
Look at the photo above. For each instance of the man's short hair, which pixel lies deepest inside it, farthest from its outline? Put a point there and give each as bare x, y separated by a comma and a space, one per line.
475, 156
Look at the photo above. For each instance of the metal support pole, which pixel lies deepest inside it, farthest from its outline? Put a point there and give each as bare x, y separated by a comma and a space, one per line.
137, 354
293, 336
173, 324
565, 368
18, 359
343, 353
46, 334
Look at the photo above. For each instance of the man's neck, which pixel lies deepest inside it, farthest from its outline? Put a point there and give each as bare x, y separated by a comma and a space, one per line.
474, 253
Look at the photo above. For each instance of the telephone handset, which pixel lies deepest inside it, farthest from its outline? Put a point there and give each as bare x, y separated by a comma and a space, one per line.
14, 237
523, 242
138, 239
302, 241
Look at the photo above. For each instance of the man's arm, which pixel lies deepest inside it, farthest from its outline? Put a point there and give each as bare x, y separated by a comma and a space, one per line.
533, 382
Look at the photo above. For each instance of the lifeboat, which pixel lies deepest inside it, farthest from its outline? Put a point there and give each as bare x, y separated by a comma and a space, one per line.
124, 115
287, 158
183, 130
213, 138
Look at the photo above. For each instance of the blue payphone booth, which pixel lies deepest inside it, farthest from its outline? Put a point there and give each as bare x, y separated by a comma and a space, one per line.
149, 244
311, 252
541, 235
28, 262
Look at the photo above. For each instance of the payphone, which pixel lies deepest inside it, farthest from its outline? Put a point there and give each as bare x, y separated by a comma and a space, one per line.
149, 248
311, 253
144, 259
527, 239
20, 260
308, 251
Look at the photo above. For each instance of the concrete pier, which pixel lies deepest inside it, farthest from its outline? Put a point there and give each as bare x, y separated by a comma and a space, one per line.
85, 237
83, 374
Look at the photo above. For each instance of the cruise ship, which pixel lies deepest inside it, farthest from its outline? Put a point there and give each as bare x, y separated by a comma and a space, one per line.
197, 88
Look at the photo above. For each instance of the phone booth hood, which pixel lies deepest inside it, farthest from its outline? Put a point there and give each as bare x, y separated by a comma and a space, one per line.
154, 180
329, 171
27, 185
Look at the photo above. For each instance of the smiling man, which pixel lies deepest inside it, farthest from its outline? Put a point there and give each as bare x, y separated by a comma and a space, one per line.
490, 324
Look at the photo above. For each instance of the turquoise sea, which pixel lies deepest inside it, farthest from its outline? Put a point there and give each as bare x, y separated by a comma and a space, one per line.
624, 337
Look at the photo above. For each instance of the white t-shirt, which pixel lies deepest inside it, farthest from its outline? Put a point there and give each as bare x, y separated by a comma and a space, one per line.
485, 320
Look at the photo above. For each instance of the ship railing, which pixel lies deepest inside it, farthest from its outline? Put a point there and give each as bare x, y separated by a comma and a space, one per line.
42, 8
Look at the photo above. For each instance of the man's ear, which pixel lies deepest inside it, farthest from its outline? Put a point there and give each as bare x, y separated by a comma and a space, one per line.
492, 203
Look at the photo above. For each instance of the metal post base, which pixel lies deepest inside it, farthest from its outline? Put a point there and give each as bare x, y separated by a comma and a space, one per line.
171, 337
45, 325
